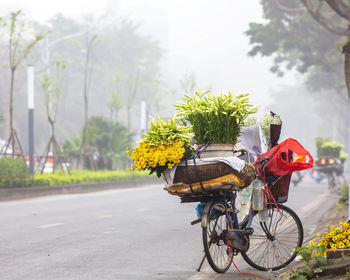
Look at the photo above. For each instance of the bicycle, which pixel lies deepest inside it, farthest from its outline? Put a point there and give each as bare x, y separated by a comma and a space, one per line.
265, 243
333, 171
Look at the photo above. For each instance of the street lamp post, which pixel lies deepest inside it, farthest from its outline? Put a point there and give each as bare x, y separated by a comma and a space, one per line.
45, 55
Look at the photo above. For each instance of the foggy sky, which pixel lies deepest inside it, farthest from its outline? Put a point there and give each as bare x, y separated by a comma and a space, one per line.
198, 36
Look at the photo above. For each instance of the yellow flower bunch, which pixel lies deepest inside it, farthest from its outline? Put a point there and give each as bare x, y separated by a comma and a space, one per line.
157, 157
337, 238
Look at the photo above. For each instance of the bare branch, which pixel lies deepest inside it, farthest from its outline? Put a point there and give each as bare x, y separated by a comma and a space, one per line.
319, 6
288, 9
340, 8
315, 13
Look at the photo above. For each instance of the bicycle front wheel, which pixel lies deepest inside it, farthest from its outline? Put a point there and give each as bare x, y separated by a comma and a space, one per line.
332, 183
214, 237
273, 244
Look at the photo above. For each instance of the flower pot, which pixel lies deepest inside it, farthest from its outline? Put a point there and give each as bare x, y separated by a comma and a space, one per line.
218, 150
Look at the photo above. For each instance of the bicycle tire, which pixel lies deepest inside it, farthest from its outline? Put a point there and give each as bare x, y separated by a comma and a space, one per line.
214, 237
331, 182
282, 222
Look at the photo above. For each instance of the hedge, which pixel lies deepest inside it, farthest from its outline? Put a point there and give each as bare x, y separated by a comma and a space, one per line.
13, 172
84, 177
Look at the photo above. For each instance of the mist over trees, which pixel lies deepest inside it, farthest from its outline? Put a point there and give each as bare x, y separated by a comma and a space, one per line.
293, 35
123, 69
19, 40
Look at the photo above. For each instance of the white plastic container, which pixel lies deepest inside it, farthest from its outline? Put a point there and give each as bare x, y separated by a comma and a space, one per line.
258, 195
244, 200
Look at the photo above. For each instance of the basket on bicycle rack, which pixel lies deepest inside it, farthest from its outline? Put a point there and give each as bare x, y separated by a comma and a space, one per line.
200, 177
210, 171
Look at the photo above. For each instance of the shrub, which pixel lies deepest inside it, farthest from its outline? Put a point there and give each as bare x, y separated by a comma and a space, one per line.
344, 194
84, 177
13, 172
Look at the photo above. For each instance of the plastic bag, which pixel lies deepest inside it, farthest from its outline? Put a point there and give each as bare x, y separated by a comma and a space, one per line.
284, 158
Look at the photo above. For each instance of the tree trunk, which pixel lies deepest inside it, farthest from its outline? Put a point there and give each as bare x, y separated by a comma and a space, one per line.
346, 51
11, 108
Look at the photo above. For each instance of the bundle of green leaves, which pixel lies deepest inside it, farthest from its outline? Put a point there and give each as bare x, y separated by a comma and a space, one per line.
162, 132
163, 146
215, 119
327, 148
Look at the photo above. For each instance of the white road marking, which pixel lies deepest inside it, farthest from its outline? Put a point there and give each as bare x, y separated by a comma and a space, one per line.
143, 209
51, 225
105, 216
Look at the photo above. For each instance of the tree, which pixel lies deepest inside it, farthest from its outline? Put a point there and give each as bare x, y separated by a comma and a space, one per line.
120, 51
85, 150
19, 46
297, 41
134, 58
332, 16
108, 140
304, 35
114, 104
52, 89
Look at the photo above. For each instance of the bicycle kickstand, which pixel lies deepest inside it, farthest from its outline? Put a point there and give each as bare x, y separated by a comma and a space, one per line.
200, 265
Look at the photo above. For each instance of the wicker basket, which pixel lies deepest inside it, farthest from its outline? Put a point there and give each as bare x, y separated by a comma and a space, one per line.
206, 172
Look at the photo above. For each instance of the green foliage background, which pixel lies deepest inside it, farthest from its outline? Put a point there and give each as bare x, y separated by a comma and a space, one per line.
108, 140
84, 177
296, 41
125, 63
13, 172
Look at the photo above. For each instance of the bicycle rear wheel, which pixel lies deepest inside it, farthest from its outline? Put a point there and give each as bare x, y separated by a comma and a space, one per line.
273, 244
214, 237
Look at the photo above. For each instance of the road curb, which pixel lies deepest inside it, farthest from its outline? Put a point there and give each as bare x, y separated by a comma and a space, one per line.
7, 194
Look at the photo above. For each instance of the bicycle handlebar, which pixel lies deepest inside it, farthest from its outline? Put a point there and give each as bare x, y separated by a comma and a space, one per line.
263, 161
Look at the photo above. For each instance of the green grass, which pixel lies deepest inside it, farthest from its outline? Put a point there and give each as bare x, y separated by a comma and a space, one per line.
344, 195
84, 177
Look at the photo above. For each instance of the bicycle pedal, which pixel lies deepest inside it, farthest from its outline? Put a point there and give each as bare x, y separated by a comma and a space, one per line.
248, 231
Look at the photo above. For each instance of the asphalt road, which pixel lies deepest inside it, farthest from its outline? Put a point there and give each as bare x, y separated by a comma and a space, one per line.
138, 233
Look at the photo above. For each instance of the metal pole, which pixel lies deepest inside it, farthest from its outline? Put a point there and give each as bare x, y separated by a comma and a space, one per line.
30, 75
